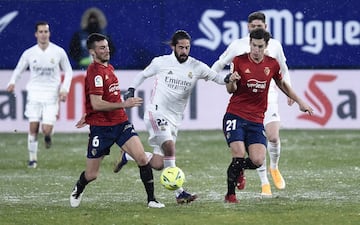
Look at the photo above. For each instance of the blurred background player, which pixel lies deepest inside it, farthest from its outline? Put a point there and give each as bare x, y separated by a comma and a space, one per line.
175, 77
44, 89
93, 20
243, 123
272, 117
108, 122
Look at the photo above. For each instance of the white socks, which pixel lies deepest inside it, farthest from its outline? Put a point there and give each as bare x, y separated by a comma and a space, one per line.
32, 147
149, 155
262, 172
274, 153
169, 161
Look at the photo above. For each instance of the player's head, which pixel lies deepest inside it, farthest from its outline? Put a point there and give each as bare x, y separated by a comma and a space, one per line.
256, 20
180, 43
259, 39
42, 32
98, 47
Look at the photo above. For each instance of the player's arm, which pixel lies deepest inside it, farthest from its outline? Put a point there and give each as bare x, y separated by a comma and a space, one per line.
286, 89
66, 67
99, 104
19, 69
225, 58
280, 57
149, 71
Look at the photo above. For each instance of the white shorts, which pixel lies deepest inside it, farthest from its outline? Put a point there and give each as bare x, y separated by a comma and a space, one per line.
272, 112
42, 111
160, 130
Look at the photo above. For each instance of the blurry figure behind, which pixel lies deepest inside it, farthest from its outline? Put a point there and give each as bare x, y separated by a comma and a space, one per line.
93, 20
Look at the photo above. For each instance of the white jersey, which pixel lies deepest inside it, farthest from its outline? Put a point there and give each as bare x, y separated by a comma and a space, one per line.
241, 46
173, 84
45, 77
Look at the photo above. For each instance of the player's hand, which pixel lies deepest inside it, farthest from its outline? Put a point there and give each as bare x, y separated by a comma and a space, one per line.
129, 93
63, 96
10, 88
290, 101
306, 108
234, 77
133, 102
81, 123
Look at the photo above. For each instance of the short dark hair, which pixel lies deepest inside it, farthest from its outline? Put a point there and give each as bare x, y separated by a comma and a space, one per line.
256, 16
179, 35
92, 38
40, 23
260, 33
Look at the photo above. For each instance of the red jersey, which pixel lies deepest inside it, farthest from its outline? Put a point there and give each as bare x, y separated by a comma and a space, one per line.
250, 99
101, 80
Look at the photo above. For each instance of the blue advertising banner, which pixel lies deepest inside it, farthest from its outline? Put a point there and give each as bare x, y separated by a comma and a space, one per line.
314, 33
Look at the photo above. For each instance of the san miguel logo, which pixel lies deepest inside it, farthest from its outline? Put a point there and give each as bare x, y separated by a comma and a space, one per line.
323, 107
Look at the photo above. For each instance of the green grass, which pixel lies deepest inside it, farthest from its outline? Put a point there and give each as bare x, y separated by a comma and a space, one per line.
321, 169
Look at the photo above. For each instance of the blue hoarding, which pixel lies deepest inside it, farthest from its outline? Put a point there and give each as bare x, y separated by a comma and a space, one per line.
314, 33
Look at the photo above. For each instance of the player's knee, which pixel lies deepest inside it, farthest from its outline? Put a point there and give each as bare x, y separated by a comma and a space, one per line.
258, 161
274, 139
142, 160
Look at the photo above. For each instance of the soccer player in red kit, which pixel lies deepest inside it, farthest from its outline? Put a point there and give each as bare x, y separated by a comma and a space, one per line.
243, 127
108, 122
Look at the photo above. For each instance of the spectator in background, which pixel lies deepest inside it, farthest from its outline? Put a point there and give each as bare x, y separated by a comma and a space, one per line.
45, 61
93, 20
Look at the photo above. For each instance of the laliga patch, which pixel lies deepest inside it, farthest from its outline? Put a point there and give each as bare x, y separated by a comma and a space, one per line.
98, 81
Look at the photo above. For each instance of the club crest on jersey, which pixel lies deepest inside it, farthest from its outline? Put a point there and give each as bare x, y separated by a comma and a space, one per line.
267, 71
98, 81
190, 75
93, 151
52, 61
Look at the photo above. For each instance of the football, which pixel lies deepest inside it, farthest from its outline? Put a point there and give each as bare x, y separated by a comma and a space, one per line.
172, 178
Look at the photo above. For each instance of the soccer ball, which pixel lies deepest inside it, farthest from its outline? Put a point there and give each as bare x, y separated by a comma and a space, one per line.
172, 178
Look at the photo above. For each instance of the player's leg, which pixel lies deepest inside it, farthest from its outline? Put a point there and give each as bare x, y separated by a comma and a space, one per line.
166, 138
271, 115
155, 162
234, 170
33, 113
49, 116
256, 141
274, 148
265, 184
235, 136
100, 139
131, 144
90, 174
33, 143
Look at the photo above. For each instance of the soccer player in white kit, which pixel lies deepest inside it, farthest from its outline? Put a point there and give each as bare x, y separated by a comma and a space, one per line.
272, 117
44, 89
175, 77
